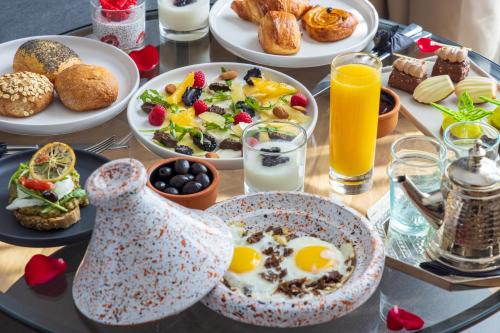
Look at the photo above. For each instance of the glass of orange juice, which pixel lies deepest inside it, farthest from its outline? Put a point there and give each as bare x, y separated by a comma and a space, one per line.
354, 102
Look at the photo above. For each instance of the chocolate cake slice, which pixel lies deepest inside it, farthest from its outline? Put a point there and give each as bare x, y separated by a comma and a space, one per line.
452, 61
407, 73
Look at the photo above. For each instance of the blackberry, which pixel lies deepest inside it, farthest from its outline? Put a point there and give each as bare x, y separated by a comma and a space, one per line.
191, 95
254, 72
217, 109
271, 150
181, 149
245, 108
217, 86
270, 161
208, 144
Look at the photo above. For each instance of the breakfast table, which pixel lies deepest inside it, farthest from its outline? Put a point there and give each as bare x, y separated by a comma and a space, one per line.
50, 308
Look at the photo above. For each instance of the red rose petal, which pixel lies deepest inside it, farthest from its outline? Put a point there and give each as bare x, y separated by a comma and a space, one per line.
398, 319
427, 45
41, 269
146, 59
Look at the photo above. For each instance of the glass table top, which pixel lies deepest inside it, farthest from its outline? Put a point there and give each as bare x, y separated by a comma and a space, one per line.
50, 308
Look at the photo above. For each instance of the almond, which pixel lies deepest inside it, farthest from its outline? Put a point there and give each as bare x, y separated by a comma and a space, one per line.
170, 88
280, 112
300, 108
228, 75
212, 155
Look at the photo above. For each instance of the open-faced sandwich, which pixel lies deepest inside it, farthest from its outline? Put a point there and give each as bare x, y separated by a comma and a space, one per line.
45, 193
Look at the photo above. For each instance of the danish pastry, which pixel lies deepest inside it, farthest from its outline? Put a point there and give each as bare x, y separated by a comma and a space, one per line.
255, 10
279, 33
328, 24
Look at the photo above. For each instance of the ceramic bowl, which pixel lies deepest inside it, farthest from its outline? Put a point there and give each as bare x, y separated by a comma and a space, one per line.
387, 122
199, 200
304, 214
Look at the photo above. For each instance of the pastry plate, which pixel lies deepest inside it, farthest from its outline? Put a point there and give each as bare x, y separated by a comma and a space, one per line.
139, 124
13, 233
240, 37
425, 117
56, 118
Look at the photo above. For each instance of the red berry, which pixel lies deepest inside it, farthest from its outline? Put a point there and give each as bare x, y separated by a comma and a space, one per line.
199, 79
299, 100
252, 142
242, 117
157, 116
200, 106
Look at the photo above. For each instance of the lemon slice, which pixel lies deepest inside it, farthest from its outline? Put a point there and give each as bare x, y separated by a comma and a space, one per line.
467, 131
494, 119
52, 162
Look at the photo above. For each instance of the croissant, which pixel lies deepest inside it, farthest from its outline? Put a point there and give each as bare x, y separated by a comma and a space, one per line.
328, 24
255, 10
279, 33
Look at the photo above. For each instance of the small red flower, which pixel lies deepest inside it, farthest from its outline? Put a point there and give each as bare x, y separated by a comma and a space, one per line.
398, 318
41, 269
111, 39
242, 117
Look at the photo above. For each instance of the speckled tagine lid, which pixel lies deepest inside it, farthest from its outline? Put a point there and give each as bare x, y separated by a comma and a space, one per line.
148, 257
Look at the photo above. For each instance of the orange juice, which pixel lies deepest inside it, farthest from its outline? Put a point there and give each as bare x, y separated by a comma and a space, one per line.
354, 103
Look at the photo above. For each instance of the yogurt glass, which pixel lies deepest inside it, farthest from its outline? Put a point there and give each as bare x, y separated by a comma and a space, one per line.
183, 20
274, 156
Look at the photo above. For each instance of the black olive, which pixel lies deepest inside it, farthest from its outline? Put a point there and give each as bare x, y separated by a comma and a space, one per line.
160, 185
171, 190
197, 168
203, 179
165, 172
181, 167
192, 187
178, 181
49, 195
190, 176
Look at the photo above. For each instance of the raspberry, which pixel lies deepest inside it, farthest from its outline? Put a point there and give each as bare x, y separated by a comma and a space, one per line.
157, 116
199, 79
299, 100
242, 117
251, 141
199, 107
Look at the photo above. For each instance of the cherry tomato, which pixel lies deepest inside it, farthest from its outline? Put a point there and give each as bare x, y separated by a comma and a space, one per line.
35, 184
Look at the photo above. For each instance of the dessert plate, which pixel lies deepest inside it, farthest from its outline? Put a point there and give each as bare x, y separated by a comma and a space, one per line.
303, 214
140, 126
56, 119
425, 117
240, 37
14, 233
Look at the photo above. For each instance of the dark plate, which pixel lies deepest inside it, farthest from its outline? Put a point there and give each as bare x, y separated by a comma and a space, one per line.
11, 231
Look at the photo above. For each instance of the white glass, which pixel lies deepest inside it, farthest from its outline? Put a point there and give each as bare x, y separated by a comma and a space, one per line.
274, 156
183, 20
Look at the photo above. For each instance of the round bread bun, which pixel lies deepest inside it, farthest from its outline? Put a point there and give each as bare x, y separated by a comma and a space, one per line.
44, 57
86, 87
24, 94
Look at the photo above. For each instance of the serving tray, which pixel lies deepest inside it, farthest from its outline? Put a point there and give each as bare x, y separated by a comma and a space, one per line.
406, 253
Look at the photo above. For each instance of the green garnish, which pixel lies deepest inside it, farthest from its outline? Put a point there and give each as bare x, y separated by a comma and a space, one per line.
490, 100
218, 96
77, 193
23, 168
467, 111
254, 104
35, 195
154, 97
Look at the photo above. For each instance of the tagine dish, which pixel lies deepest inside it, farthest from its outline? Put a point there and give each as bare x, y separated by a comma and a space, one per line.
203, 110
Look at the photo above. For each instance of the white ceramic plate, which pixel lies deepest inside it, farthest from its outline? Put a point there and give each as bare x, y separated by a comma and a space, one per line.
240, 37
56, 118
425, 117
138, 120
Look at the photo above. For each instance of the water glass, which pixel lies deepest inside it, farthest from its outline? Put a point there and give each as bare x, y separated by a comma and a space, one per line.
183, 20
274, 156
422, 160
122, 28
460, 137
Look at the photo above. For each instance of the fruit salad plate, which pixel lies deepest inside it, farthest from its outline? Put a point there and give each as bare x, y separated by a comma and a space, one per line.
424, 116
172, 115
56, 119
240, 37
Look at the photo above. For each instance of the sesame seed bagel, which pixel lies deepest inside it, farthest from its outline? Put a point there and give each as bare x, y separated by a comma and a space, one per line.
44, 57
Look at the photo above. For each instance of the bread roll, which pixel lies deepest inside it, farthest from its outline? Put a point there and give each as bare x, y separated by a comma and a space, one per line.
255, 10
24, 94
44, 57
279, 33
86, 87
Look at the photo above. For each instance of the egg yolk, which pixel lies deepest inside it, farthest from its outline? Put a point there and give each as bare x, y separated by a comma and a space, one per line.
245, 259
314, 258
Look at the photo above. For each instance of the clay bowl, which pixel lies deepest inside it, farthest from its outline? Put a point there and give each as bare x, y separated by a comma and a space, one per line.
304, 214
387, 122
200, 200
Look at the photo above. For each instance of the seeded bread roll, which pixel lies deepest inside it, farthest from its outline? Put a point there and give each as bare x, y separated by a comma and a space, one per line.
44, 57
24, 94
86, 87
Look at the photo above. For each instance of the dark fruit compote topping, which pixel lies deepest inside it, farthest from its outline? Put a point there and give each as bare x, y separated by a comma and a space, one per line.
275, 159
182, 3
181, 177
386, 103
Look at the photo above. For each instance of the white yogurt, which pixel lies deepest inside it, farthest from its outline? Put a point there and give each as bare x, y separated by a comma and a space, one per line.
183, 19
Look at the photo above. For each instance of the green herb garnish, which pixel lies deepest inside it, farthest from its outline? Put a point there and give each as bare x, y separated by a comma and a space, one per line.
218, 96
23, 168
154, 97
35, 195
467, 111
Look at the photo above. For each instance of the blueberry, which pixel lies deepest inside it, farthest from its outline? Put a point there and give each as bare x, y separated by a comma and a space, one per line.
191, 187
197, 168
181, 167
165, 172
189, 176
171, 190
160, 186
203, 179
178, 181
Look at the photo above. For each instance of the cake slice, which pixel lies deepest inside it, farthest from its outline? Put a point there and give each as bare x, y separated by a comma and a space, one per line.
407, 73
452, 61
